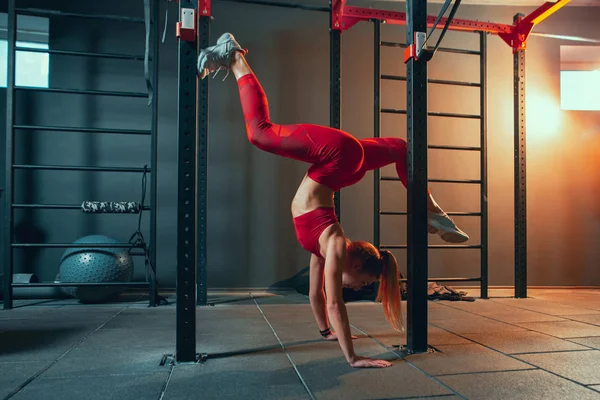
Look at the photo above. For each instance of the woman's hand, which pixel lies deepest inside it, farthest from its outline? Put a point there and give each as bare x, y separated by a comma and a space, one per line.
333, 337
366, 362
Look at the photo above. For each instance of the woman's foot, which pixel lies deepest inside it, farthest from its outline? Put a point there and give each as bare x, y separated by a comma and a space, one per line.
443, 225
218, 57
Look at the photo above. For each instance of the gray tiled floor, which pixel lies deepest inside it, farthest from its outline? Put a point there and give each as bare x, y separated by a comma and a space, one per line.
266, 346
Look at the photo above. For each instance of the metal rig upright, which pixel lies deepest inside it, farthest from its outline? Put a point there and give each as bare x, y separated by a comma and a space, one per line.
188, 148
335, 80
416, 118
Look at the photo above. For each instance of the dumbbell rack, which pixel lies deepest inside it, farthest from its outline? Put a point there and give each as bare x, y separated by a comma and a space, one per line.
9, 205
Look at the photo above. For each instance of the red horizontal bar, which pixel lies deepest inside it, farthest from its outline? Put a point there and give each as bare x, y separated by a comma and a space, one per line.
352, 15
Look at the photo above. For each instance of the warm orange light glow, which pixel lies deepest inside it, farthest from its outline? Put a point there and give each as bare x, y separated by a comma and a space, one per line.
543, 115
580, 90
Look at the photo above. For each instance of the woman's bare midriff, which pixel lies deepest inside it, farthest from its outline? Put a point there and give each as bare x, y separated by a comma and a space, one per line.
310, 196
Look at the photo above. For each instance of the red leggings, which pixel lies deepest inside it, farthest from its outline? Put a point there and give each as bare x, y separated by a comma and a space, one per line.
380, 152
335, 155
338, 159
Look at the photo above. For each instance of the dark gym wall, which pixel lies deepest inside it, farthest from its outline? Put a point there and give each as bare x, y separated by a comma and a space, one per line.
251, 239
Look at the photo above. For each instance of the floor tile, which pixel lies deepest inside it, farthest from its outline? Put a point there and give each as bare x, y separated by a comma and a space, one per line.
544, 306
122, 387
580, 366
268, 376
517, 385
465, 358
14, 374
474, 324
593, 319
563, 329
522, 342
592, 341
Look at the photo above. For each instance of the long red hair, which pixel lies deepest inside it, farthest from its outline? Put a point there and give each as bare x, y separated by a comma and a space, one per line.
383, 265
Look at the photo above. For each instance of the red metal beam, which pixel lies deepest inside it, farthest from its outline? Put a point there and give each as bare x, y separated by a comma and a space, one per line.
517, 38
337, 14
514, 35
352, 15
544, 11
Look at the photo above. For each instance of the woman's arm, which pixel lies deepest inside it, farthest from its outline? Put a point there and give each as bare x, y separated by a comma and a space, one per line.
335, 260
316, 293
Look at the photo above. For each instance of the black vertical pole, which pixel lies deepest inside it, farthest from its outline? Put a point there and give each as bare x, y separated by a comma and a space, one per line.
377, 129
335, 86
202, 166
186, 196
7, 235
417, 246
520, 175
376, 133
154, 148
483, 162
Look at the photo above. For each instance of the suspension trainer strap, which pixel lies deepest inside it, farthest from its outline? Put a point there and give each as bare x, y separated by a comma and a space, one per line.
166, 21
445, 29
147, 52
418, 49
137, 239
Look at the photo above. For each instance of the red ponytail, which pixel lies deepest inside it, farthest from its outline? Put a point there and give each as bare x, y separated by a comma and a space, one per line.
389, 291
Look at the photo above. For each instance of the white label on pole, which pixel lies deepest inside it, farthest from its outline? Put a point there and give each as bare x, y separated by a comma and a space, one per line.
187, 18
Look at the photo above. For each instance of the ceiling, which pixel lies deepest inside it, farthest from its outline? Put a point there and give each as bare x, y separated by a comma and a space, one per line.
580, 3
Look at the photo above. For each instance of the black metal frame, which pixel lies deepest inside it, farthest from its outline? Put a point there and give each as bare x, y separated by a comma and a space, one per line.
155, 32
520, 174
8, 243
377, 130
335, 91
297, 6
416, 118
483, 167
202, 163
7, 226
186, 198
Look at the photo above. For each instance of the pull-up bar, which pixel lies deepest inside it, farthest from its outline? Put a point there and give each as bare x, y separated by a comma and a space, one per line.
204, 5
297, 6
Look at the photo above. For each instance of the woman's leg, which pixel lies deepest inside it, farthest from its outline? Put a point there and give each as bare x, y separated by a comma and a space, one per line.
379, 152
315, 144
333, 152
293, 141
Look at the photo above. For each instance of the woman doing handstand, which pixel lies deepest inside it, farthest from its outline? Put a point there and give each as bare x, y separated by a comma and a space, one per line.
337, 160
